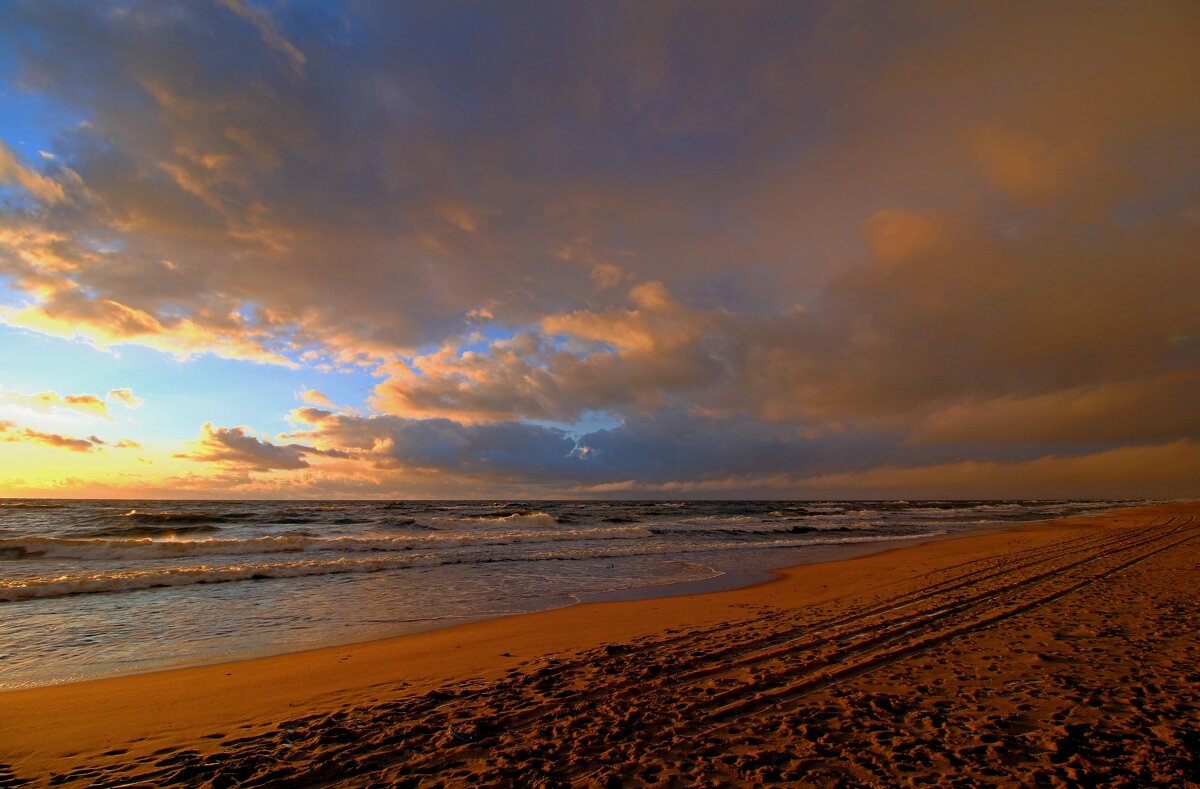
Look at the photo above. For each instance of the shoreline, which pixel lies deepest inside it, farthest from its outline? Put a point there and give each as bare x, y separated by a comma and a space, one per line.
730, 581
204, 709
726, 577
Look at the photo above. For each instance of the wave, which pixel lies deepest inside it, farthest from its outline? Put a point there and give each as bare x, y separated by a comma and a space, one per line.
752, 526
63, 586
135, 580
150, 530
305, 512
31, 505
58, 548
520, 517
135, 516
137, 523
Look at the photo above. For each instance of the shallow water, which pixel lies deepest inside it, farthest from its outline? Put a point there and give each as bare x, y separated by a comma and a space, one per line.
96, 588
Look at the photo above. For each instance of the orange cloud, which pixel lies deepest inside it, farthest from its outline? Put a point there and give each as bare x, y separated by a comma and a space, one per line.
125, 396
612, 358
896, 234
105, 323
313, 397
36, 184
1026, 167
1158, 470
983, 233
236, 448
656, 321
12, 433
81, 403
1151, 408
309, 415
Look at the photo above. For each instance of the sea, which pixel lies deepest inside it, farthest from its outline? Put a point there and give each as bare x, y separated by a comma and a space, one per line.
92, 588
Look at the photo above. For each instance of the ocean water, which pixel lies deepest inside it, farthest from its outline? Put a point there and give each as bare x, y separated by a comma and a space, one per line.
98, 588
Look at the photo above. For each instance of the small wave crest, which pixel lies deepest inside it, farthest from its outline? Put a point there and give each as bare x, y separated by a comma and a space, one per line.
518, 518
135, 516
139, 523
151, 530
752, 528
145, 548
134, 580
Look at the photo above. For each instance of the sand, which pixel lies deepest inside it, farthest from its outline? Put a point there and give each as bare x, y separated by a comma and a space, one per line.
1062, 653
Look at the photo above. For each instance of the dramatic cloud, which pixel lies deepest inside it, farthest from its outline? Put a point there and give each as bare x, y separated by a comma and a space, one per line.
592, 250
233, 446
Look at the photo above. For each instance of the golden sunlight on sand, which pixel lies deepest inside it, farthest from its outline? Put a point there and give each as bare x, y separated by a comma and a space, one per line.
1059, 653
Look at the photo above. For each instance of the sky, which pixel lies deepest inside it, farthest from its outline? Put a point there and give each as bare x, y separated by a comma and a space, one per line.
576, 250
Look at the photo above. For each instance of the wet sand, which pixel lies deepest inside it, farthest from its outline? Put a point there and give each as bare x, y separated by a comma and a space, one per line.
1062, 653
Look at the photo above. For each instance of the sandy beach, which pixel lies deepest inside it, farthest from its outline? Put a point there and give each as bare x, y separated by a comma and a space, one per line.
1058, 653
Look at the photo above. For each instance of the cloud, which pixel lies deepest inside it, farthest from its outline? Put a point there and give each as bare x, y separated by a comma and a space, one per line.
10, 432
107, 323
1136, 410
315, 398
1026, 167
784, 239
613, 359
269, 33
234, 447
438, 192
951, 313
37, 185
606, 275
126, 397
522, 451
654, 450
1157, 470
308, 415
50, 401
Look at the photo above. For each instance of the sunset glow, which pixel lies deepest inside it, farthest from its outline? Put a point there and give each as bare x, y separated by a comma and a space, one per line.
342, 250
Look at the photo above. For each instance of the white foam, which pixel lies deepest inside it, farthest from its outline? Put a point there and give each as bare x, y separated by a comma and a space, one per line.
131, 580
147, 548
543, 519
90, 583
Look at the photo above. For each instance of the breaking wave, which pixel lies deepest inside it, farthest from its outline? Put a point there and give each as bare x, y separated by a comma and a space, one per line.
134, 516
67, 548
167, 577
150, 530
518, 518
